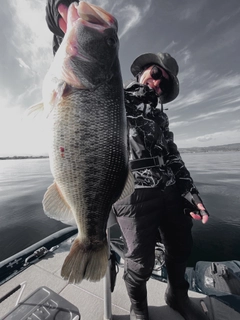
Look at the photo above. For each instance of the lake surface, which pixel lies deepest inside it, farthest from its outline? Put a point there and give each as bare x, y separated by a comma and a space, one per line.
217, 176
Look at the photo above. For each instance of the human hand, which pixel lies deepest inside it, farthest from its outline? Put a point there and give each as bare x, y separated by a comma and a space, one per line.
146, 95
62, 22
201, 213
56, 16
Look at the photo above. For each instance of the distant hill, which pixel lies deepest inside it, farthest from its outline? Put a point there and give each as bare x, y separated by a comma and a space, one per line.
23, 157
221, 148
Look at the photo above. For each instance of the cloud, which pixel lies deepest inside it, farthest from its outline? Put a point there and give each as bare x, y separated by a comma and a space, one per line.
179, 124
215, 23
22, 64
132, 16
190, 10
27, 51
224, 40
174, 117
210, 115
30, 20
204, 138
128, 13
221, 137
171, 45
187, 56
207, 88
216, 138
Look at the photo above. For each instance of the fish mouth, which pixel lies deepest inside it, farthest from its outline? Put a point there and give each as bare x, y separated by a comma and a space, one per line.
96, 15
91, 15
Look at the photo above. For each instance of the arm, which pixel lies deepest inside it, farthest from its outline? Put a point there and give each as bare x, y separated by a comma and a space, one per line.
136, 94
174, 161
184, 181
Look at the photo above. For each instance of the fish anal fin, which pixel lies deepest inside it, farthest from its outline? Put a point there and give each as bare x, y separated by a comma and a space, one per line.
56, 207
85, 261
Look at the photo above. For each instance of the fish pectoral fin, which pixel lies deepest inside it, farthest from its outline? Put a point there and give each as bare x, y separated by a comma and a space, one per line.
56, 207
55, 96
129, 186
34, 110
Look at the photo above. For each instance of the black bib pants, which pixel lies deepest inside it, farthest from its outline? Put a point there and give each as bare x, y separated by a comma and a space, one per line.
140, 217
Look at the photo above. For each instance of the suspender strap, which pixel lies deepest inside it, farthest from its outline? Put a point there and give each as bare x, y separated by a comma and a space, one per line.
144, 163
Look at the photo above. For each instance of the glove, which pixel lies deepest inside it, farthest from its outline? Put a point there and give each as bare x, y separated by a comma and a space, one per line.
192, 201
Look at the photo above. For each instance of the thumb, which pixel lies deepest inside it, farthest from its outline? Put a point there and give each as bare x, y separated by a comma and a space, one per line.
63, 11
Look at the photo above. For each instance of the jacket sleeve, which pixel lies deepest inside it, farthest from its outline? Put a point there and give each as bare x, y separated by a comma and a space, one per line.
136, 94
174, 161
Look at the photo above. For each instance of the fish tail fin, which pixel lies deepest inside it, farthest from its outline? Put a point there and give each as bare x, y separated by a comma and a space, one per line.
85, 261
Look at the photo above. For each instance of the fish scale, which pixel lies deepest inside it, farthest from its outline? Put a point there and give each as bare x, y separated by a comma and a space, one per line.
93, 135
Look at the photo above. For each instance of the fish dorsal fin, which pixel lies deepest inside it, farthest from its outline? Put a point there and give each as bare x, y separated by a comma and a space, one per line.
129, 186
55, 206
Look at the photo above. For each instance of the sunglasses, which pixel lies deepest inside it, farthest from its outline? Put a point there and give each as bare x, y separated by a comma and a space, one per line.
157, 74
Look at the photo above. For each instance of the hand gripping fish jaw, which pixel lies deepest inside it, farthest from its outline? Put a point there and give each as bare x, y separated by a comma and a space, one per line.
88, 48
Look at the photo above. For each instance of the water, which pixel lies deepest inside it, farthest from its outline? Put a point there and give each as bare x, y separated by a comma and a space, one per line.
22, 221
217, 176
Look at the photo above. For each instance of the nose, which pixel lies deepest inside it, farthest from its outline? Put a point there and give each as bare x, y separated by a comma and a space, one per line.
156, 83
153, 83
156, 87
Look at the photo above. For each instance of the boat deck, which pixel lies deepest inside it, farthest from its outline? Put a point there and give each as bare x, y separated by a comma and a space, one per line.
88, 297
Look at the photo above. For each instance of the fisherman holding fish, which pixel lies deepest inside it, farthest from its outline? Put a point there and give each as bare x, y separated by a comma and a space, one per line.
165, 199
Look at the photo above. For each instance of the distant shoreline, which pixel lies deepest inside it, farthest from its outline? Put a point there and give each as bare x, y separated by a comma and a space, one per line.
205, 151
234, 147
23, 157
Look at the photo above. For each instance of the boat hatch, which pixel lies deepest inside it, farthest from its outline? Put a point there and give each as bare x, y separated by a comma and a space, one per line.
42, 304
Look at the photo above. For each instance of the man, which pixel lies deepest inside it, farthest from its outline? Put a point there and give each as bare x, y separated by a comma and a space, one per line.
165, 197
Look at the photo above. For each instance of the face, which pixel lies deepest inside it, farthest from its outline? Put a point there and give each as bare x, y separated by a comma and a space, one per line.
147, 78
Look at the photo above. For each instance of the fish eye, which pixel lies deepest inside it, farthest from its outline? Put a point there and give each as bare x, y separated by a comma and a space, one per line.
111, 41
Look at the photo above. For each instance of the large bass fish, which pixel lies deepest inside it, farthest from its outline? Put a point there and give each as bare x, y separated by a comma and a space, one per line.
84, 105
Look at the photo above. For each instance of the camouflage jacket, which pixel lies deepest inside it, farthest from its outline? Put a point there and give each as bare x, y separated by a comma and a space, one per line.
149, 136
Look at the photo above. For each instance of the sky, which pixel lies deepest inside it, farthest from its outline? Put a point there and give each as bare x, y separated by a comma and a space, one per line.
202, 35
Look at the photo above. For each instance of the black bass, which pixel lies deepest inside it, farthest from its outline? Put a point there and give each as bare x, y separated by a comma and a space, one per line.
84, 104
